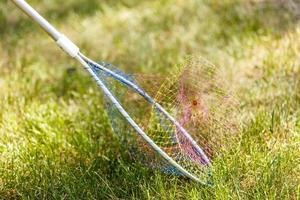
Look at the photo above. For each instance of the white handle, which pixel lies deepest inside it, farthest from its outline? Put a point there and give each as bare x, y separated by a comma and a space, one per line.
25, 7
65, 43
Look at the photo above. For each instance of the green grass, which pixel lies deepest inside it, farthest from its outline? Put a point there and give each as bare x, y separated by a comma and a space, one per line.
55, 137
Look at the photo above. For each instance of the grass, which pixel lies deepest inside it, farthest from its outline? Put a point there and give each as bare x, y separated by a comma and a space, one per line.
55, 137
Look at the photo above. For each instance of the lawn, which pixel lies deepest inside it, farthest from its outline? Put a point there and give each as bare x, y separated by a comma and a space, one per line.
56, 140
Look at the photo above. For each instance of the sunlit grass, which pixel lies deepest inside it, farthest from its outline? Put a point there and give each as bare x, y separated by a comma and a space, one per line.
55, 137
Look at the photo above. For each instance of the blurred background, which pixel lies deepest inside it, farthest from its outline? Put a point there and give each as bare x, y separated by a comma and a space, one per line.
55, 137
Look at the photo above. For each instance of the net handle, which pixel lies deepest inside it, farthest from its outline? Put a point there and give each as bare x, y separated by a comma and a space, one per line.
33, 14
61, 40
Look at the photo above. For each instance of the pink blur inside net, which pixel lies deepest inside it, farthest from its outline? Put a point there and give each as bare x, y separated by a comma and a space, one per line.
196, 96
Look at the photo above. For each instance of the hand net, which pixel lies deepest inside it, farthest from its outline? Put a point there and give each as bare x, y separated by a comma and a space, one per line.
196, 96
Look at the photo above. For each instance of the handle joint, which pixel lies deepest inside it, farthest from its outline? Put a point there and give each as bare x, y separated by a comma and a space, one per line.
67, 45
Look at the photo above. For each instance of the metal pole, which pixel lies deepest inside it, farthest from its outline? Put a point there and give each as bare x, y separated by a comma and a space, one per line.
26, 8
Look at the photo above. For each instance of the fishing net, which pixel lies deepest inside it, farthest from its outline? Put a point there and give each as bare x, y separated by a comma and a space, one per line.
196, 96
189, 101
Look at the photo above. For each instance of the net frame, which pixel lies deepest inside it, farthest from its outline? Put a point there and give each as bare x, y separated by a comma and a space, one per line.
99, 71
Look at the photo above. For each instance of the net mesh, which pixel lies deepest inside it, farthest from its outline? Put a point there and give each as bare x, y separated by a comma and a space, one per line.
196, 96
